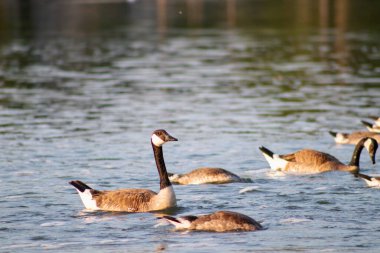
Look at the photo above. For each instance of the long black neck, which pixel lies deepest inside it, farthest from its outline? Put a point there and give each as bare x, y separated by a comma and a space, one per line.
356, 154
159, 157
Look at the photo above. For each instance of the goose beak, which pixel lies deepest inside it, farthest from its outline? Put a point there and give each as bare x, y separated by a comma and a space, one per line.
170, 138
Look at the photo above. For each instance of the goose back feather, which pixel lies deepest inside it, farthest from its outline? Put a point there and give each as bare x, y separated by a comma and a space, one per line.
221, 221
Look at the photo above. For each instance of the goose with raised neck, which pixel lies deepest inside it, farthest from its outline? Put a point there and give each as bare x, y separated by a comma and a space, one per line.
309, 161
134, 200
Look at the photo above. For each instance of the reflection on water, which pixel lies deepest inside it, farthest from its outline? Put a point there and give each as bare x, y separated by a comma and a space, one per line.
84, 83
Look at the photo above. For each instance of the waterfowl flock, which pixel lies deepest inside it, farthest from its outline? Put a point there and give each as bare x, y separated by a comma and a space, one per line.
301, 162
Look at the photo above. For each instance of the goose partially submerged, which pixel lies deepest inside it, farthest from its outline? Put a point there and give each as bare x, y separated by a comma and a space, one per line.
206, 175
308, 161
134, 200
221, 221
354, 137
375, 128
371, 181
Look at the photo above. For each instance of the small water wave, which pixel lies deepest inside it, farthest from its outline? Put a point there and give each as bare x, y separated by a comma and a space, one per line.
294, 220
53, 224
249, 189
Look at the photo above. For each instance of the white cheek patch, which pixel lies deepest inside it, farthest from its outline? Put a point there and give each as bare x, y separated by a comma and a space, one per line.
157, 141
368, 144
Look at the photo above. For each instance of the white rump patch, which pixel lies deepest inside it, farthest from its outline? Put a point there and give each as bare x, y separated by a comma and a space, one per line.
87, 200
340, 139
182, 224
276, 163
174, 177
373, 183
157, 141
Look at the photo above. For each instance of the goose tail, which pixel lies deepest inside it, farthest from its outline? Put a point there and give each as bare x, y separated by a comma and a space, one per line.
333, 134
266, 151
370, 181
363, 176
80, 186
274, 160
366, 123
181, 222
173, 178
86, 194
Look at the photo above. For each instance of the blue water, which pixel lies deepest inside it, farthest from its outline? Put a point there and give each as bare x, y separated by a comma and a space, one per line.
83, 84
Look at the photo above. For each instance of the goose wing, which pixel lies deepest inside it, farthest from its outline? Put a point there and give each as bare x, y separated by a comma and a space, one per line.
209, 171
309, 156
223, 221
128, 200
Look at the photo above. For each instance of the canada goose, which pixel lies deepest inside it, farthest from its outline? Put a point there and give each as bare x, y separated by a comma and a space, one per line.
134, 200
370, 180
221, 221
308, 161
375, 128
353, 138
206, 175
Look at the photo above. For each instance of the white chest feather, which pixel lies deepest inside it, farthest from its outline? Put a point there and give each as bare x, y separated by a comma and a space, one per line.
340, 139
164, 199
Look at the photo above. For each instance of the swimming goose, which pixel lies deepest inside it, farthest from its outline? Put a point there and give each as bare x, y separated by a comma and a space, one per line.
308, 161
370, 180
353, 138
375, 128
221, 221
206, 175
134, 200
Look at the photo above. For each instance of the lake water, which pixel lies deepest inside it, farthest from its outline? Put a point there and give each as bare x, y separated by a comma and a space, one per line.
84, 83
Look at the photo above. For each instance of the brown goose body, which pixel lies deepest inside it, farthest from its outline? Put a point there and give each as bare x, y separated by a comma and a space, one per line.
129, 200
312, 161
206, 175
221, 221
308, 161
134, 200
354, 137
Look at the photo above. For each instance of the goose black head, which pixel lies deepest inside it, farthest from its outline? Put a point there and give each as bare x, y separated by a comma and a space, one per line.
160, 136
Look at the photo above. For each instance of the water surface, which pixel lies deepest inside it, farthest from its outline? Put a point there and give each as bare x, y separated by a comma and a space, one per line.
84, 83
